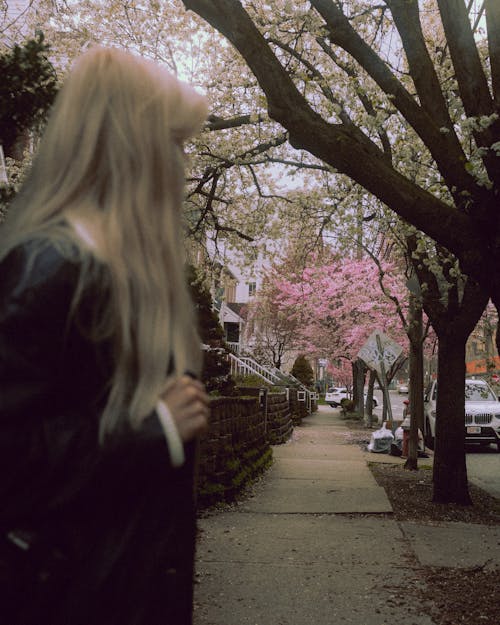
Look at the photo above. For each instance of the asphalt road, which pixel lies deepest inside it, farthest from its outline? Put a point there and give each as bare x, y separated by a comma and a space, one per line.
483, 468
396, 404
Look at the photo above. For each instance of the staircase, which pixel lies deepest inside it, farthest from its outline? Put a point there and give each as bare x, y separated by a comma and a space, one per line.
244, 365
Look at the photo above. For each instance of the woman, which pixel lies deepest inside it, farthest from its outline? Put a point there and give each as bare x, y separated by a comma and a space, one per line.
96, 337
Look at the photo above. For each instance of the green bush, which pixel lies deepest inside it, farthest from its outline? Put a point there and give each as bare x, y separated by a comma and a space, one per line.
216, 374
251, 381
347, 405
302, 370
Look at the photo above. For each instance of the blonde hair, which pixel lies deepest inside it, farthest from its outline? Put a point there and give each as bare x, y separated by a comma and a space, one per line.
113, 149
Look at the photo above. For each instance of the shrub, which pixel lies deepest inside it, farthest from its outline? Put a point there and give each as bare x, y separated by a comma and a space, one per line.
347, 405
215, 375
251, 381
302, 370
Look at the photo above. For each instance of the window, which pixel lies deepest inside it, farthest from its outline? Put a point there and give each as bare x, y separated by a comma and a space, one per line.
230, 293
252, 288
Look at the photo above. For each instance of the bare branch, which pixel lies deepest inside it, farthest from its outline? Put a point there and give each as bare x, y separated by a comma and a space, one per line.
296, 164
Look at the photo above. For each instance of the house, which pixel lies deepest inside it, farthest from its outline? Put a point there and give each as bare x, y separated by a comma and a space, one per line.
236, 290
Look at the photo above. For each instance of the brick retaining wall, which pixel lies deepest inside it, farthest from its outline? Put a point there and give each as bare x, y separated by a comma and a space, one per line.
236, 448
279, 421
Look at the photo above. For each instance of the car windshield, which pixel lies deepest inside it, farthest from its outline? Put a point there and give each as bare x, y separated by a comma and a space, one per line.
478, 392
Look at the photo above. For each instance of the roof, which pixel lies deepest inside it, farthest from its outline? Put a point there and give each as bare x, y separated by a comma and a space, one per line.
232, 312
236, 307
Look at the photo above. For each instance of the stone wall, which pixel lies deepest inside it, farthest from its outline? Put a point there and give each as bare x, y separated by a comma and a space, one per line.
279, 421
298, 409
234, 450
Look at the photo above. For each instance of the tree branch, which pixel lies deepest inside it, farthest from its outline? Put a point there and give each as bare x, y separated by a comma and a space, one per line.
218, 123
493, 27
365, 101
316, 74
449, 156
468, 69
472, 82
407, 19
352, 153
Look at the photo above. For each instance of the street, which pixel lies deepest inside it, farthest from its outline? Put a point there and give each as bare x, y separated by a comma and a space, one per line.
397, 404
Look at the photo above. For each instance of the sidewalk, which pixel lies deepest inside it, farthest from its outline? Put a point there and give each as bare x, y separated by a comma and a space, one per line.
316, 543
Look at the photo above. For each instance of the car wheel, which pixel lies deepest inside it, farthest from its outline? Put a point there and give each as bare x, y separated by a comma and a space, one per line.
332, 406
429, 439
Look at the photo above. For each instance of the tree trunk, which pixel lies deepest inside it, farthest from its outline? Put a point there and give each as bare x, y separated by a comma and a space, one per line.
369, 399
450, 470
359, 370
416, 390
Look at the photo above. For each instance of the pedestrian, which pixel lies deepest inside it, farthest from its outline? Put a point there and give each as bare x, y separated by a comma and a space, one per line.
98, 418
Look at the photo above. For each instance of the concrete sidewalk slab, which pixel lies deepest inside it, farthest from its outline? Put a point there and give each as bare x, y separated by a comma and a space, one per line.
317, 497
315, 451
295, 553
347, 471
461, 545
255, 569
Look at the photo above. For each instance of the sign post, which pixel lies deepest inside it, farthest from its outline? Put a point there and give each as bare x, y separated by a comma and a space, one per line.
380, 352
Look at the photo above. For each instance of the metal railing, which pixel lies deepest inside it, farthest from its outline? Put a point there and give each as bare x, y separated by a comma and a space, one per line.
248, 366
234, 347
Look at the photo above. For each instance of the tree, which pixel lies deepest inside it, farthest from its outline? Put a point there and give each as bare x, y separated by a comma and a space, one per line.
335, 303
27, 90
303, 371
216, 371
271, 331
312, 58
454, 304
466, 221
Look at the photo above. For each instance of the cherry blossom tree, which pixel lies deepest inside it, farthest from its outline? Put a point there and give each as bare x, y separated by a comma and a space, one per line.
271, 331
286, 44
335, 303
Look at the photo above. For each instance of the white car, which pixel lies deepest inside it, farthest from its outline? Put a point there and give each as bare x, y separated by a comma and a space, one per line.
482, 414
336, 394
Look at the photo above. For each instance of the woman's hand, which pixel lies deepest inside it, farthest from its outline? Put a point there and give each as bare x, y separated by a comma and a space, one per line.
188, 403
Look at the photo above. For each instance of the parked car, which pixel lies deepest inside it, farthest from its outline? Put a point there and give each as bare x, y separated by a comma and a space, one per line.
336, 394
403, 388
482, 413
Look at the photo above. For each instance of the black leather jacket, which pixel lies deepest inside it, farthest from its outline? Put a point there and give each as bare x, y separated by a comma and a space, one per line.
120, 515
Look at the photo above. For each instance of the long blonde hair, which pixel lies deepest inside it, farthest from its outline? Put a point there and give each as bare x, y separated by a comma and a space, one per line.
112, 149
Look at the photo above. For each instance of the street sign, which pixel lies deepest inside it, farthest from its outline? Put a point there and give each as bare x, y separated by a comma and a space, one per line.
380, 352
